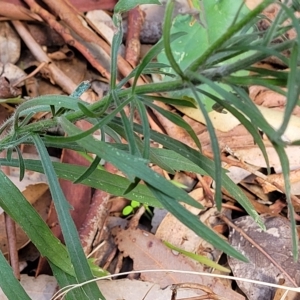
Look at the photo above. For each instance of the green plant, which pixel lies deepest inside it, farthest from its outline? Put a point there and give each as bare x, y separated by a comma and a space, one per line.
212, 70
129, 209
199, 258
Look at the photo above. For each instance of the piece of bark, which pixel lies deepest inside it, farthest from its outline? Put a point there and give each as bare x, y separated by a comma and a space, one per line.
83, 6
133, 45
16, 11
90, 231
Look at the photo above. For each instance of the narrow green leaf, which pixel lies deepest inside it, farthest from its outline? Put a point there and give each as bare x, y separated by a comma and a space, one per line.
167, 25
272, 83
99, 179
22, 212
115, 45
21, 165
152, 53
8, 282
286, 175
183, 102
146, 128
204, 163
254, 131
200, 258
88, 112
192, 222
89, 170
293, 89
281, 75
179, 121
243, 104
43, 103
64, 279
105, 120
133, 167
68, 228
127, 125
215, 147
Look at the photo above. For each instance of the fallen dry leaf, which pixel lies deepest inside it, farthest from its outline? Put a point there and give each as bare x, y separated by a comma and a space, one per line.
276, 241
278, 179
42, 287
148, 252
126, 289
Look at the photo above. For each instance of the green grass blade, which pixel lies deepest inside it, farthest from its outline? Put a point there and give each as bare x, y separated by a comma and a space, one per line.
178, 120
215, 148
22, 212
8, 282
192, 222
146, 128
286, 175
152, 53
204, 163
183, 102
200, 258
89, 170
127, 124
21, 165
254, 131
69, 231
167, 25
64, 279
293, 89
133, 167
99, 179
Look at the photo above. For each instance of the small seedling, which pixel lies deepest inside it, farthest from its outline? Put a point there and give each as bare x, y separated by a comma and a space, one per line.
130, 209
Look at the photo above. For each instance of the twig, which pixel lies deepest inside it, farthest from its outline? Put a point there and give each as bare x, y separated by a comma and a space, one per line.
66, 35
60, 78
71, 19
10, 11
41, 66
11, 234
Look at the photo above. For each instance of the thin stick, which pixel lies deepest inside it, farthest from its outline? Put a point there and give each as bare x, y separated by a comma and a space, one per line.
11, 234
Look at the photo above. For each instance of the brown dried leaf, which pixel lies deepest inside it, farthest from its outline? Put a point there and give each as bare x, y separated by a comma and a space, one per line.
148, 252
7, 90
268, 98
10, 44
276, 241
279, 180
127, 289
